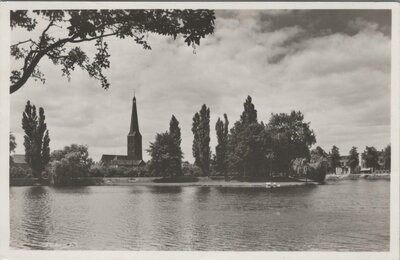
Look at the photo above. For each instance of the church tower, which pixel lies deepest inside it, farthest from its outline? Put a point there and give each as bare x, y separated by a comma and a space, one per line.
134, 136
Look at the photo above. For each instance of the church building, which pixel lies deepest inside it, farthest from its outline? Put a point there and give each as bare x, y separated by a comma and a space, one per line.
134, 145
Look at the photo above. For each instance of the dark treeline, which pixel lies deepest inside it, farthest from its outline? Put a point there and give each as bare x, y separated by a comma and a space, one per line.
249, 149
254, 149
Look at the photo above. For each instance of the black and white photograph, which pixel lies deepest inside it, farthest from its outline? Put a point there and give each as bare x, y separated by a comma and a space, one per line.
201, 129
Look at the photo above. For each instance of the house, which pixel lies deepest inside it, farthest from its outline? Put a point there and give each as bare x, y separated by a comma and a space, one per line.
18, 160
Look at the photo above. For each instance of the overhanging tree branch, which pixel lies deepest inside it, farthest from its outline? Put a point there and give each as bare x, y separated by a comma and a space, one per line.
95, 25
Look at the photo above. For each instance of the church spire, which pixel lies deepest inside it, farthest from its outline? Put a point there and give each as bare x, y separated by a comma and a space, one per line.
134, 117
134, 136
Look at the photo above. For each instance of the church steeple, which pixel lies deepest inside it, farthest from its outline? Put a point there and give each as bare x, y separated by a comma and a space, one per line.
134, 117
134, 136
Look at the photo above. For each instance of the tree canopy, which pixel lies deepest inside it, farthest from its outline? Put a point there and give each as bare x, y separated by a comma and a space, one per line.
334, 157
201, 141
292, 138
249, 143
165, 151
71, 162
36, 139
370, 157
77, 26
222, 131
353, 158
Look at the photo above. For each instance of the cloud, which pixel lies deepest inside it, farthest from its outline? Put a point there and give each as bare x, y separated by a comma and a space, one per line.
284, 60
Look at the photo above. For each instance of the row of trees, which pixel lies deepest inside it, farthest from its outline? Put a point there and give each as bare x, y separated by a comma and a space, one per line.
251, 148
371, 156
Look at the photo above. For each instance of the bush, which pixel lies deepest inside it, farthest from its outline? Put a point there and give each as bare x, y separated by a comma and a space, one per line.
71, 162
19, 172
191, 170
104, 171
97, 171
180, 179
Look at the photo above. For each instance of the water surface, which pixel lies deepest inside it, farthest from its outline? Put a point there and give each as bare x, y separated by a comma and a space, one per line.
345, 216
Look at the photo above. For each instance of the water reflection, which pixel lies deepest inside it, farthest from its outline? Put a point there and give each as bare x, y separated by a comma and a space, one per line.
348, 216
38, 226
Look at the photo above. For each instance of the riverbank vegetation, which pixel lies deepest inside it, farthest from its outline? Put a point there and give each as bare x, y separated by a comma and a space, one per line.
250, 150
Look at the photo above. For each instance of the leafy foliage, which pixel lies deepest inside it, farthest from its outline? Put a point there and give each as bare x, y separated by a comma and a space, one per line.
249, 144
371, 157
165, 151
71, 162
13, 144
201, 141
334, 157
20, 172
387, 157
353, 158
36, 139
96, 25
221, 150
292, 138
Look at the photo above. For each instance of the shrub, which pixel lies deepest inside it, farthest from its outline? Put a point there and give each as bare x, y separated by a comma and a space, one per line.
191, 170
97, 171
71, 162
180, 179
19, 172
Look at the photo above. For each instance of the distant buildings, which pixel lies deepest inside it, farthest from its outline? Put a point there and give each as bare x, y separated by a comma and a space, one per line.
19, 161
344, 165
134, 145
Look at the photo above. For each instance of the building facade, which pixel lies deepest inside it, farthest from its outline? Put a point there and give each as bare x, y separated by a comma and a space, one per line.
134, 146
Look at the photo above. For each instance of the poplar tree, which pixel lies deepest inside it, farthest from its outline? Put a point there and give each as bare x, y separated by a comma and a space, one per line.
249, 144
176, 154
353, 158
36, 139
221, 128
387, 157
334, 157
371, 157
201, 141
166, 153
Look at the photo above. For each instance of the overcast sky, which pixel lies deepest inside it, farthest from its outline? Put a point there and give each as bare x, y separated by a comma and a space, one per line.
334, 66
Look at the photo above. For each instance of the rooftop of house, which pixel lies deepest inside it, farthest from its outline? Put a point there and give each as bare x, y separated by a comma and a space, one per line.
18, 158
108, 158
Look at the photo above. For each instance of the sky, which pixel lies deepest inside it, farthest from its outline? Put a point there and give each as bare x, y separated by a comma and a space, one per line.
333, 65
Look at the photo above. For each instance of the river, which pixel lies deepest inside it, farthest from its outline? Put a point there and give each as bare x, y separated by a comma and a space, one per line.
343, 216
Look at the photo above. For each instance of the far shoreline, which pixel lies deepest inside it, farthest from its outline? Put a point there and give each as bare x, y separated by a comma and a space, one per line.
202, 181
149, 181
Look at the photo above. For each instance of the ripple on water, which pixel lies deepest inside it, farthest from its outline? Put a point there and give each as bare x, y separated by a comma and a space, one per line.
347, 216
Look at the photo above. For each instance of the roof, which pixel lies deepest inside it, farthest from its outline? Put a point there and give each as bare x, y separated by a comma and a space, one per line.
120, 159
19, 158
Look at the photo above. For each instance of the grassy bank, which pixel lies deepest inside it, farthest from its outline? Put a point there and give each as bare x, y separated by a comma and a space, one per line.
366, 176
157, 181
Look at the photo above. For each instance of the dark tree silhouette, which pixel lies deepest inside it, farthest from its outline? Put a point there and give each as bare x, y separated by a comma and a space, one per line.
334, 157
387, 157
13, 145
165, 151
201, 141
292, 138
221, 150
79, 26
371, 157
176, 153
249, 144
36, 139
353, 158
